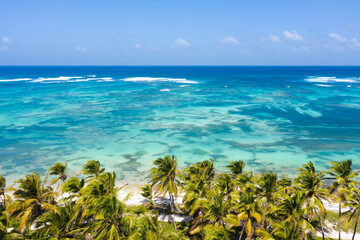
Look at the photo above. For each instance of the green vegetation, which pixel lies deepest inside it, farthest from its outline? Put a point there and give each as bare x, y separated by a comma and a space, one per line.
235, 205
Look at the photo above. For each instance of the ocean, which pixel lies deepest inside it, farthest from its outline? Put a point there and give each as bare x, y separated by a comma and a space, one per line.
273, 118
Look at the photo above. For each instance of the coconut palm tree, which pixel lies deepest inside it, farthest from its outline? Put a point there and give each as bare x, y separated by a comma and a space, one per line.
214, 209
148, 227
198, 179
246, 212
2, 189
92, 168
109, 218
353, 202
73, 186
343, 175
293, 217
58, 169
215, 232
146, 192
164, 178
267, 194
236, 167
310, 183
284, 184
60, 224
32, 198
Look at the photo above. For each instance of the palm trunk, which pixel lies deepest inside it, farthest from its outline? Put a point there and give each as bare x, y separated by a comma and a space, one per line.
322, 229
339, 220
172, 204
242, 232
356, 223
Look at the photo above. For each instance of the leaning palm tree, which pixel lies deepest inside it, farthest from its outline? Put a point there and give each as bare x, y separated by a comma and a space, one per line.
164, 178
353, 202
32, 198
343, 175
310, 183
92, 168
59, 170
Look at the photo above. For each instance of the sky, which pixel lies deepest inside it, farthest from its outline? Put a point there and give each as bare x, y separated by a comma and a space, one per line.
181, 32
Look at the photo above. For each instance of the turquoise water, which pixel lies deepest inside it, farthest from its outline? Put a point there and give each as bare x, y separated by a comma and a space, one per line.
274, 118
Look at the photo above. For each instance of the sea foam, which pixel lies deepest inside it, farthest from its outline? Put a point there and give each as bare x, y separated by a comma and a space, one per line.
153, 79
332, 79
15, 80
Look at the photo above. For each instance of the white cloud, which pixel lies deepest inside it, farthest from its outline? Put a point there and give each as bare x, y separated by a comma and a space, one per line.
182, 43
130, 33
337, 37
138, 46
355, 42
229, 40
6, 40
80, 49
274, 38
293, 36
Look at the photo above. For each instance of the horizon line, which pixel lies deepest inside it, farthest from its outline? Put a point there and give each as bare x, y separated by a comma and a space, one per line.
179, 65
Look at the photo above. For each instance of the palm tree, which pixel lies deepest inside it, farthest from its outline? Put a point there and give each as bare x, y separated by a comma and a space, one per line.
310, 183
92, 168
236, 167
293, 217
214, 209
148, 227
198, 178
73, 186
32, 198
164, 178
284, 183
343, 174
353, 202
60, 170
60, 224
266, 191
215, 232
103, 185
245, 210
109, 219
148, 194
2, 188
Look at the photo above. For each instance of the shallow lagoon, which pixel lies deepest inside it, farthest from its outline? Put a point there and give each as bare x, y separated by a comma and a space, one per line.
274, 118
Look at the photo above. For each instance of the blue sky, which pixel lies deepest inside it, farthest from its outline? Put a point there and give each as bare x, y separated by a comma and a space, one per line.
182, 32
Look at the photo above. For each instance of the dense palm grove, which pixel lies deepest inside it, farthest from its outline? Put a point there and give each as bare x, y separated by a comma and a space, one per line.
234, 205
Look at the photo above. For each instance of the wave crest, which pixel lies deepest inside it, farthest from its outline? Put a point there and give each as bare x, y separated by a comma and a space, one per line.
332, 79
154, 79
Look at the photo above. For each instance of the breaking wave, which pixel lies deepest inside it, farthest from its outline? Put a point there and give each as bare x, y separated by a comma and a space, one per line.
153, 79
332, 79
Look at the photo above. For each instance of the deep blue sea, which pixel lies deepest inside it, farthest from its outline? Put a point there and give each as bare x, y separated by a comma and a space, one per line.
274, 118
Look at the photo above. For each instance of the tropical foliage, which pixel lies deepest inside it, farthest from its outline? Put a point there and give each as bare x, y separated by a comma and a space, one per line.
233, 205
